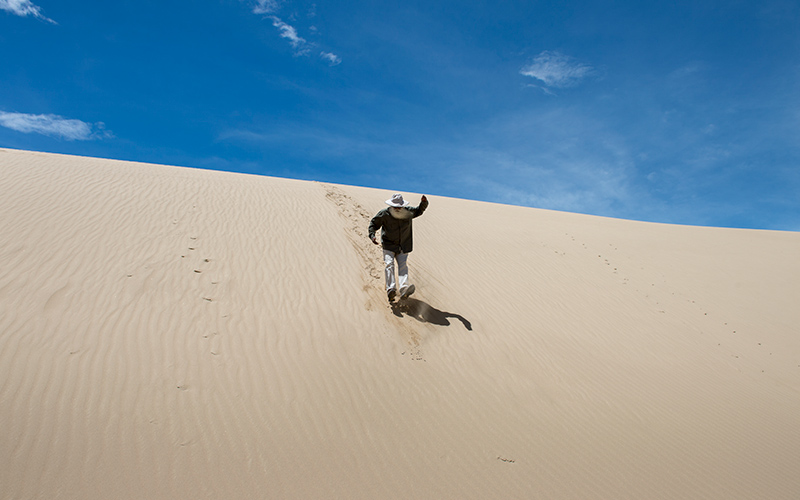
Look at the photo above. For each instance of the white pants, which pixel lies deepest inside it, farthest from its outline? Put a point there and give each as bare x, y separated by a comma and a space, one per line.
402, 270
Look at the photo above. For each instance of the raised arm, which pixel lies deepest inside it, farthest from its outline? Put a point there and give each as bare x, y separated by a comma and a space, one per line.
423, 204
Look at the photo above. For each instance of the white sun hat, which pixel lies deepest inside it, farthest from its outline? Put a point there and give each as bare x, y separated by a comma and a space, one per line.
397, 201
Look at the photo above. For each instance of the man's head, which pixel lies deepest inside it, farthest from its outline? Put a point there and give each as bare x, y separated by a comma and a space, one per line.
399, 207
397, 201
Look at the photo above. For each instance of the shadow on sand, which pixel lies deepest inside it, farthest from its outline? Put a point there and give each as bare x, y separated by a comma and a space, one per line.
426, 313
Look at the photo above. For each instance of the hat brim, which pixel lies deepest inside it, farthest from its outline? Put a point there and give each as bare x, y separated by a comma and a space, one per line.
395, 205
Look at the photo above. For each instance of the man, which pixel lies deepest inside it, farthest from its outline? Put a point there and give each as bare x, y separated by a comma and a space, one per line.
397, 241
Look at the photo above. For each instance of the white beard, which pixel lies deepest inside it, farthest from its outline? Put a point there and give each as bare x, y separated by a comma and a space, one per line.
401, 214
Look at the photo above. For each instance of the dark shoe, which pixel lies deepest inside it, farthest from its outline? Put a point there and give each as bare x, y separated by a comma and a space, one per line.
391, 294
407, 292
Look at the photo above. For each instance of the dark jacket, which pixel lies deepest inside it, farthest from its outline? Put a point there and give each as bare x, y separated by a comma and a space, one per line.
396, 234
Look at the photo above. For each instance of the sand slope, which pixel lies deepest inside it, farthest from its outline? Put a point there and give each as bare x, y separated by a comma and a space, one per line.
177, 333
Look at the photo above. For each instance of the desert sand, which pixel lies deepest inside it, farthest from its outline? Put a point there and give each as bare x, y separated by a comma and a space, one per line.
171, 333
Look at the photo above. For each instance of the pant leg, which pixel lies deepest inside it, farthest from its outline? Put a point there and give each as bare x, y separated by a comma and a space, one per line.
402, 271
388, 261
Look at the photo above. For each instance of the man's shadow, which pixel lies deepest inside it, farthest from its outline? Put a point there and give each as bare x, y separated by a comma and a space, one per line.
426, 313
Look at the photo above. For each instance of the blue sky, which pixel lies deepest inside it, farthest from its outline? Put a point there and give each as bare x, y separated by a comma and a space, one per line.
681, 112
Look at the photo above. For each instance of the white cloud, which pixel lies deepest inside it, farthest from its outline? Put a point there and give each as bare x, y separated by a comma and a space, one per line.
557, 70
332, 59
265, 6
24, 8
301, 46
298, 43
54, 126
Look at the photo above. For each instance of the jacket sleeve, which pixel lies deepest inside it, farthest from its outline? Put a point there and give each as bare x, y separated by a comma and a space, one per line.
420, 209
374, 225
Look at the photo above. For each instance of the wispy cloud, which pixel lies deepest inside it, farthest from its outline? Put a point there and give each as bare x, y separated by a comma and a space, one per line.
332, 59
557, 70
24, 8
298, 43
54, 126
301, 46
265, 6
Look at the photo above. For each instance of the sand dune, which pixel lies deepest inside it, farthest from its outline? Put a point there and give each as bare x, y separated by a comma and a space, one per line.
176, 333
